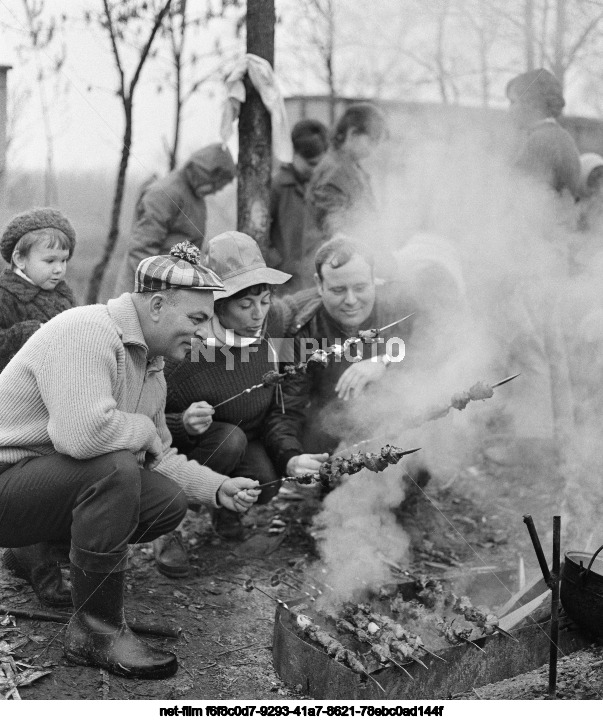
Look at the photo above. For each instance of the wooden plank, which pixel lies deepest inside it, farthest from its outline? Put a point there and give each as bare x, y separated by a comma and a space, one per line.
535, 586
511, 620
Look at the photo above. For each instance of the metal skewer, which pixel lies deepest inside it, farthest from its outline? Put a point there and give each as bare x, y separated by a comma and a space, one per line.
389, 658
431, 653
242, 393
249, 586
505, 380
390, 325
474, 644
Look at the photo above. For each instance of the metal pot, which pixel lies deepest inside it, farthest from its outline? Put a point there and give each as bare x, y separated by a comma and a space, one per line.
582, 589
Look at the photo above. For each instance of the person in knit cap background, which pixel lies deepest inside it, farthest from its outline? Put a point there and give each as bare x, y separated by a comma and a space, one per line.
37, 245
228, 438
173, 209
287, 204
86, 456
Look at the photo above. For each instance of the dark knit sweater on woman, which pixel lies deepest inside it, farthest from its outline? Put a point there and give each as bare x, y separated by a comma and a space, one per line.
24, 307
214, 381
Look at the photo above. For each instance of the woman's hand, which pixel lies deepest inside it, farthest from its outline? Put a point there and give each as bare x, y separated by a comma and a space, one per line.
197, 418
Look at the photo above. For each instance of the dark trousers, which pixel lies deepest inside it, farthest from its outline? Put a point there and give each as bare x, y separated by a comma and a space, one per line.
100, 504
225, 449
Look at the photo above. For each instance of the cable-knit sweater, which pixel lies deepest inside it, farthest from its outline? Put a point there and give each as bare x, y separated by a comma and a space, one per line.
84, 386
24, 307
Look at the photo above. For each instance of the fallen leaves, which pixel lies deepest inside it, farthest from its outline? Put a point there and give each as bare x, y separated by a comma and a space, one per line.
16, 673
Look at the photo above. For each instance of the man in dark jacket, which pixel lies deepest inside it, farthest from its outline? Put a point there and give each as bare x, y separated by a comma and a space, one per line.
345, 300
173, 209
310, 141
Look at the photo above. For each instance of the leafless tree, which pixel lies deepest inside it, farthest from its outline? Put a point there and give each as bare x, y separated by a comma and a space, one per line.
128, 23
48, 51
191, 69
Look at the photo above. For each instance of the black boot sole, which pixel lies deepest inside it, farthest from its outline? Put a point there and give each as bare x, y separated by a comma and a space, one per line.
118, 670
12, 563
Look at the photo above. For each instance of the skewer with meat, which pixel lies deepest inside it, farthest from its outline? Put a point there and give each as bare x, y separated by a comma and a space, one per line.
487, 622
457, 632
331, 645
478, 392
359, 619
381, 652
390, 633
320, 357
331, 471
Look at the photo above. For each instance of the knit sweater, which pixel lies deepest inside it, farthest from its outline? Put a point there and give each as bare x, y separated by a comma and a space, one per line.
84, 386
23, 308
228, 372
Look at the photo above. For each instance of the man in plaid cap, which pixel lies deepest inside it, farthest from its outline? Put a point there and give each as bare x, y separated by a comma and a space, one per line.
86, 457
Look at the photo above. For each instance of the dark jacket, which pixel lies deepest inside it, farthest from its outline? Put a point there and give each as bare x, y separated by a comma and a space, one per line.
305, 395
23, 308
338, 197
285, 251
549, 154
169, 210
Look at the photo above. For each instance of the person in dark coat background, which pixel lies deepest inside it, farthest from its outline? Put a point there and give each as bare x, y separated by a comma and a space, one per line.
287, 205
173, 209
549, 152
37, 244
339, 196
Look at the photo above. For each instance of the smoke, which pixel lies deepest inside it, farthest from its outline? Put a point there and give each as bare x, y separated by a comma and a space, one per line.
359, 536
504, 284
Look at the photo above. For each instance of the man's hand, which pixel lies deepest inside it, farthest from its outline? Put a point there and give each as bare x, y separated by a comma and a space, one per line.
356, 377
306, 463
197, 418
238, 494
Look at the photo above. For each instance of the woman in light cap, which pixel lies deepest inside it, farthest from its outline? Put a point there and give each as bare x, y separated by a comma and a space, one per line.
229, 436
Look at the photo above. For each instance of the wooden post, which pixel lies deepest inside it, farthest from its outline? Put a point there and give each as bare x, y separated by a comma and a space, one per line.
555, 606
255, 132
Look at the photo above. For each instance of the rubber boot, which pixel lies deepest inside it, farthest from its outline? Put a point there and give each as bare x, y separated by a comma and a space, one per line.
38, 565
98, 634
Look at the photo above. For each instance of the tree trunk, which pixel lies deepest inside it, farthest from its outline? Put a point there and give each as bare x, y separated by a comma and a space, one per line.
177, 114
529, 33
560, 29
98, 273
255, 132
440, 61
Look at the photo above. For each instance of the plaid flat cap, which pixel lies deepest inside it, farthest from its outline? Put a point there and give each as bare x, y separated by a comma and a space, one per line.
180, 269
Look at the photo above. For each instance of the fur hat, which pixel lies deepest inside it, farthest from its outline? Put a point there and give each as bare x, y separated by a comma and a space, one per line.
36, 219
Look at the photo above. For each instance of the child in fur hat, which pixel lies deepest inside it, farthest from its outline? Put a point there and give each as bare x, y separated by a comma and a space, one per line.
37, 244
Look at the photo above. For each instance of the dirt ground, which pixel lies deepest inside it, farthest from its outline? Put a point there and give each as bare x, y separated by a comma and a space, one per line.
224, 650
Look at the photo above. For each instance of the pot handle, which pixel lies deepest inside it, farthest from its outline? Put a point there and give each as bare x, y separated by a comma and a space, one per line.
584, 574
